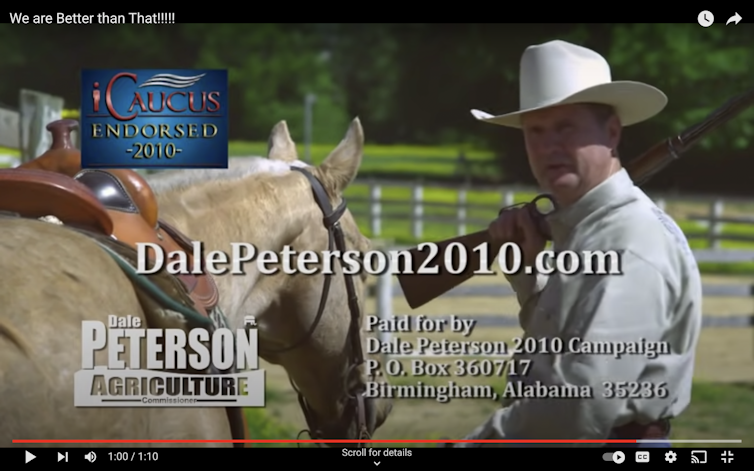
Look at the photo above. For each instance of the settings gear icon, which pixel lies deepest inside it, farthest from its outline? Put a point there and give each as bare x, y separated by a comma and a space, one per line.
671, 456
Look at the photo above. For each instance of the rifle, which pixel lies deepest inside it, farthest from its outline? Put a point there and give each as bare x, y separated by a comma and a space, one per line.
419, 289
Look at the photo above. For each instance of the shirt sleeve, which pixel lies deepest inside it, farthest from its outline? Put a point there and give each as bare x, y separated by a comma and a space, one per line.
618, 309
528, 289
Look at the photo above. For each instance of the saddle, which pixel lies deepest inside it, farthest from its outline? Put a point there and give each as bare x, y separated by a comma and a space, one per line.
116, 203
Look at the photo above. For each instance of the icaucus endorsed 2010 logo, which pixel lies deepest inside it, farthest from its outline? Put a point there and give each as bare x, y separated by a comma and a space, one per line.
154, 119
180, 369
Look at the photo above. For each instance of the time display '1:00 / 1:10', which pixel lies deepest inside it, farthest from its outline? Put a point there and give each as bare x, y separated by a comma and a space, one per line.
135, 456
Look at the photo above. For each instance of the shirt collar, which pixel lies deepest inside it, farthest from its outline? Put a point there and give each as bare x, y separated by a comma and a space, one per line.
615, 188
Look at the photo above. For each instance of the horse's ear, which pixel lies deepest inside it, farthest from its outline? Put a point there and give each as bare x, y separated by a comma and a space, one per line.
280, 146
341, 166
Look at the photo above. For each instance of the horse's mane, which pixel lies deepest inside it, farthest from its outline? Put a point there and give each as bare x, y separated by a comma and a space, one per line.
239, 167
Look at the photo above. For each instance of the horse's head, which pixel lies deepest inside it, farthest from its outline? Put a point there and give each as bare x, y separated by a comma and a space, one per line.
306, 319
326, 359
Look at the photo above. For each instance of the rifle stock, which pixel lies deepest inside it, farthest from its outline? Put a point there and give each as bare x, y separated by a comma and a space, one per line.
420, 288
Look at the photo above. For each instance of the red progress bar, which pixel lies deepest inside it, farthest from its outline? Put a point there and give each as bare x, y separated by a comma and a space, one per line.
325, 441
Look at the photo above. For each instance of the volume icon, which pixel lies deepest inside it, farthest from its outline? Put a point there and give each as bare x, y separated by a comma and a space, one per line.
90, 457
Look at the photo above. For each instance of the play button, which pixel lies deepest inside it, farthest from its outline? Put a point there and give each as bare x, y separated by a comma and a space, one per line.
29, 457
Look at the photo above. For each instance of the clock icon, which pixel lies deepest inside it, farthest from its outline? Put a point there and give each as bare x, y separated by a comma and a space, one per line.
706, 18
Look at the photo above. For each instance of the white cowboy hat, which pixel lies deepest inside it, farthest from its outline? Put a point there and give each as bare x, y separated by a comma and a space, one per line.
559, 73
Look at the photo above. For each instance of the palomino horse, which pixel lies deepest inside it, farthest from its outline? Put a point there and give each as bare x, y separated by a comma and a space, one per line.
53, 278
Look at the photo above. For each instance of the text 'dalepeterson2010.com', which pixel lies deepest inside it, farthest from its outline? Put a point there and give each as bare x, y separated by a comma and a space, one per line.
453, 259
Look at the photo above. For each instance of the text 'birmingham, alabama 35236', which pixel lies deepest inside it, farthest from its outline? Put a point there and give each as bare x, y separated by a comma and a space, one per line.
151, 258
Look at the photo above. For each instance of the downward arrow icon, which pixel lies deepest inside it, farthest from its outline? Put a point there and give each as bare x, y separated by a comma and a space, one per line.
376, 463
734, 19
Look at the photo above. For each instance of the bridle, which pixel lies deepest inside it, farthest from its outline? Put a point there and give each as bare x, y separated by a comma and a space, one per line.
336, 240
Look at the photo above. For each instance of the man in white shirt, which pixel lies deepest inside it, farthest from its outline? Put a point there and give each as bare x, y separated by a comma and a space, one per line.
583, 388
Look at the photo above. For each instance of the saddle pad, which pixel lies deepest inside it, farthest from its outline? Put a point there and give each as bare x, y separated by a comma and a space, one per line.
158, 315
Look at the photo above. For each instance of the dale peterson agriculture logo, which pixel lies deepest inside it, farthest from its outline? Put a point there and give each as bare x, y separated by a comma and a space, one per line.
154, 118
125, 383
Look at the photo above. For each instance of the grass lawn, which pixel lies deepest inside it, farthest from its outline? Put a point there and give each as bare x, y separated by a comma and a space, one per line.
430, 162
263, 425
717, 411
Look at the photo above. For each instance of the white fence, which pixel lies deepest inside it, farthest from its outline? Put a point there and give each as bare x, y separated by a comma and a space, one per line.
416, 211
24, 128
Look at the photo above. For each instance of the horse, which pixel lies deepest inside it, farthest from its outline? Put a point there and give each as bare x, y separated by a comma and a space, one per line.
53, 278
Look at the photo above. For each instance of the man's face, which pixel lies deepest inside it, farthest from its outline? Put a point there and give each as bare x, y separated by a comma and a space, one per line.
569, 149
